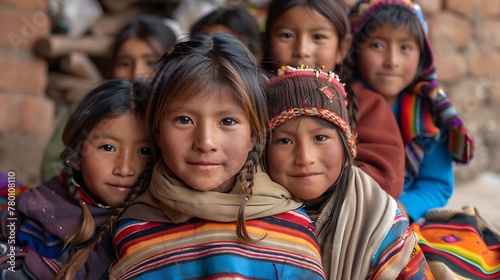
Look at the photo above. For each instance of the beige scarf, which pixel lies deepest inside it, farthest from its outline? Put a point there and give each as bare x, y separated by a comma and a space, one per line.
366, 217
171, 200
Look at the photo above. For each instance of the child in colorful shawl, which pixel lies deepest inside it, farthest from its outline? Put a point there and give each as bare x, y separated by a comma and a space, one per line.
393, 57
361, 232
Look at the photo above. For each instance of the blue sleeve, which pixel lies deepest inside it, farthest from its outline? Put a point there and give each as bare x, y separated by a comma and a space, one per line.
433, 185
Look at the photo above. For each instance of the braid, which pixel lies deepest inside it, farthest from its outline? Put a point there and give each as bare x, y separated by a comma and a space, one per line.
249, 168
86, 230
347, 76
245, 177
352, 107
71, 268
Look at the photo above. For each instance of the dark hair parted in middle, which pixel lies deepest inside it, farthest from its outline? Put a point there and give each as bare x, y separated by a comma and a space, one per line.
208, 64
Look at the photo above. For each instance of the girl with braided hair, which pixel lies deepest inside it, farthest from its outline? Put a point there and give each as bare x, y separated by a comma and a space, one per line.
209, 212
106, 150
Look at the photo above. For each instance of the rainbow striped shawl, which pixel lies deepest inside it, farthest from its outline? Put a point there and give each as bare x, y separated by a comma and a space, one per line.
426, 112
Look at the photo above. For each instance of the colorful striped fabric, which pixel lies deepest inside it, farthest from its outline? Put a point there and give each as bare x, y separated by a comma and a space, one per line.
417, 267
390, 249
285, 248
461, 245
45, 215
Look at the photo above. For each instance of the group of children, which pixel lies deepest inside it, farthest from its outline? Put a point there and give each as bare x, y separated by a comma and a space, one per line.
228, 166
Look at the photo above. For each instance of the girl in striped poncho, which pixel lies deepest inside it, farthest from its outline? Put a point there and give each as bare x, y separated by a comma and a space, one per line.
209, 212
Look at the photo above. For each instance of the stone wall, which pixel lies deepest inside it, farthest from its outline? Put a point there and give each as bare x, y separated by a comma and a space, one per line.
465, 35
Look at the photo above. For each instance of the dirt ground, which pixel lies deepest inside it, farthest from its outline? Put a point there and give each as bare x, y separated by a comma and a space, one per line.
484, 193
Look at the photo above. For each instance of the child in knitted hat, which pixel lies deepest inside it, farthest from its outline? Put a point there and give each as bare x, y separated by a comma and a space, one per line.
310, 151
393, 57
317, 33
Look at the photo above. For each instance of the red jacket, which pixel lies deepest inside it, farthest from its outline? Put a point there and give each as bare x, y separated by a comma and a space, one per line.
379, 143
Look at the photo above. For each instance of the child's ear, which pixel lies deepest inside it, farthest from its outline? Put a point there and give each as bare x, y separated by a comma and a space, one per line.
251, 143
344, 47
76, 165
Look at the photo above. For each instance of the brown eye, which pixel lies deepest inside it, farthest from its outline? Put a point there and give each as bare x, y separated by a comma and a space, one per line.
183, 120
107, 148
145, 151
228, 122
320, 138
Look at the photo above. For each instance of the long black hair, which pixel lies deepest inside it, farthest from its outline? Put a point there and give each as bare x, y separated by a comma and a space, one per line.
110, 99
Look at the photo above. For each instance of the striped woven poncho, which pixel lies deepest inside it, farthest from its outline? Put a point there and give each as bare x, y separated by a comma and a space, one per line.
200, 249
192, 234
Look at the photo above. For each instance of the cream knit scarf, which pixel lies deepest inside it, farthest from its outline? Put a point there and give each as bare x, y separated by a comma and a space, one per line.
178, 202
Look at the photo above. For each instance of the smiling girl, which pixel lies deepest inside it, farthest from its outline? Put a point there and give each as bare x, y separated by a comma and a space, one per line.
106, 150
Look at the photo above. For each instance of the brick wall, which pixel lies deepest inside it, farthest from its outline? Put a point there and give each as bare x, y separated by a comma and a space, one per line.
466, 38
26, 114
465, 35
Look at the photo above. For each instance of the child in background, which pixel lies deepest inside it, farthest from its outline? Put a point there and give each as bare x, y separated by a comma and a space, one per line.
310, 151
393, 57
138, 46
106, 149
209, 212
236, 21
136, 49
316, 33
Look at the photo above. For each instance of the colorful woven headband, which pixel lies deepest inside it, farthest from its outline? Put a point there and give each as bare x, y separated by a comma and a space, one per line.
307, 71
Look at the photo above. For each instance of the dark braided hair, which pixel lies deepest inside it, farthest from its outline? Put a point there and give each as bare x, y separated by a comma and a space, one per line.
203, 65
110, 99
347, 76
245, 177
